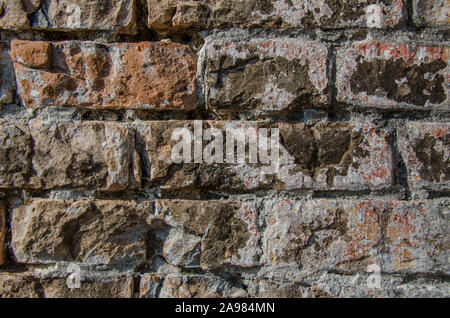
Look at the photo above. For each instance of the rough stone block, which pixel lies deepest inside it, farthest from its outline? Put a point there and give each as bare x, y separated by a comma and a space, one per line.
69, 15
328, 156
393, 75
91, 232
2, 234
310, 14
266, 75
93, 75
118, 287
431, 12
196, 286
426, 151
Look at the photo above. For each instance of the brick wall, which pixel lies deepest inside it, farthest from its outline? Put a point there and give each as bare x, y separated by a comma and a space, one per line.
91, 92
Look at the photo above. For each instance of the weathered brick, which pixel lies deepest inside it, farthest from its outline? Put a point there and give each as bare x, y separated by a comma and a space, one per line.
93, 75
426, 151
48, 156
14, 14
149, 286
349, 158
15, 151
18, 285
418, 238
228, 231
2, 233
267, 75
209, 14
91, 232
393, 75
69, 15
118, 287
7, 78
399, 236
196, 286
323, 234
431, 12
86, 154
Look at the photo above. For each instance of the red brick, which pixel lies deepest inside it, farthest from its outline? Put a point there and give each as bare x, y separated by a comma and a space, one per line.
393, 75
93, 75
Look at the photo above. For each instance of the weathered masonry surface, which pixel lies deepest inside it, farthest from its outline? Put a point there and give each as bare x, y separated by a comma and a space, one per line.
91, 92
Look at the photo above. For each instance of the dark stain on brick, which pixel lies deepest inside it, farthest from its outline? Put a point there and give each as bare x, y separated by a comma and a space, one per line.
400, 82
433, 163
248, 79
333, 146
224, 238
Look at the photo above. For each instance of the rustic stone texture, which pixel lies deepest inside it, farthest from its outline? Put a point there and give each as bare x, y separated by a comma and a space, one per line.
177, 286
7, 78
393, 75
69, 15
14, 14
15, 150
417, 238
431, 12
280, 74
322, 235
18, 285
119, 75
92, 232
48, 156
150, 285
227, 232
86, 154
2, 233
426, 148
351, 235
209, 14
350, 158
119, 287
115, 15
272, 289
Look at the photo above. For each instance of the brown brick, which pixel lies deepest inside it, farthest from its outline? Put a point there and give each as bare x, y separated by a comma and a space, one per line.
86, 154
15, 150
267, 75
393, 75
68, 15
431, 12
91, 232
349, 158
196, 286
115, 287
2, 234
93, 75
77, 155
426, 151
228, 231
18, 285
149, 286
210, 14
